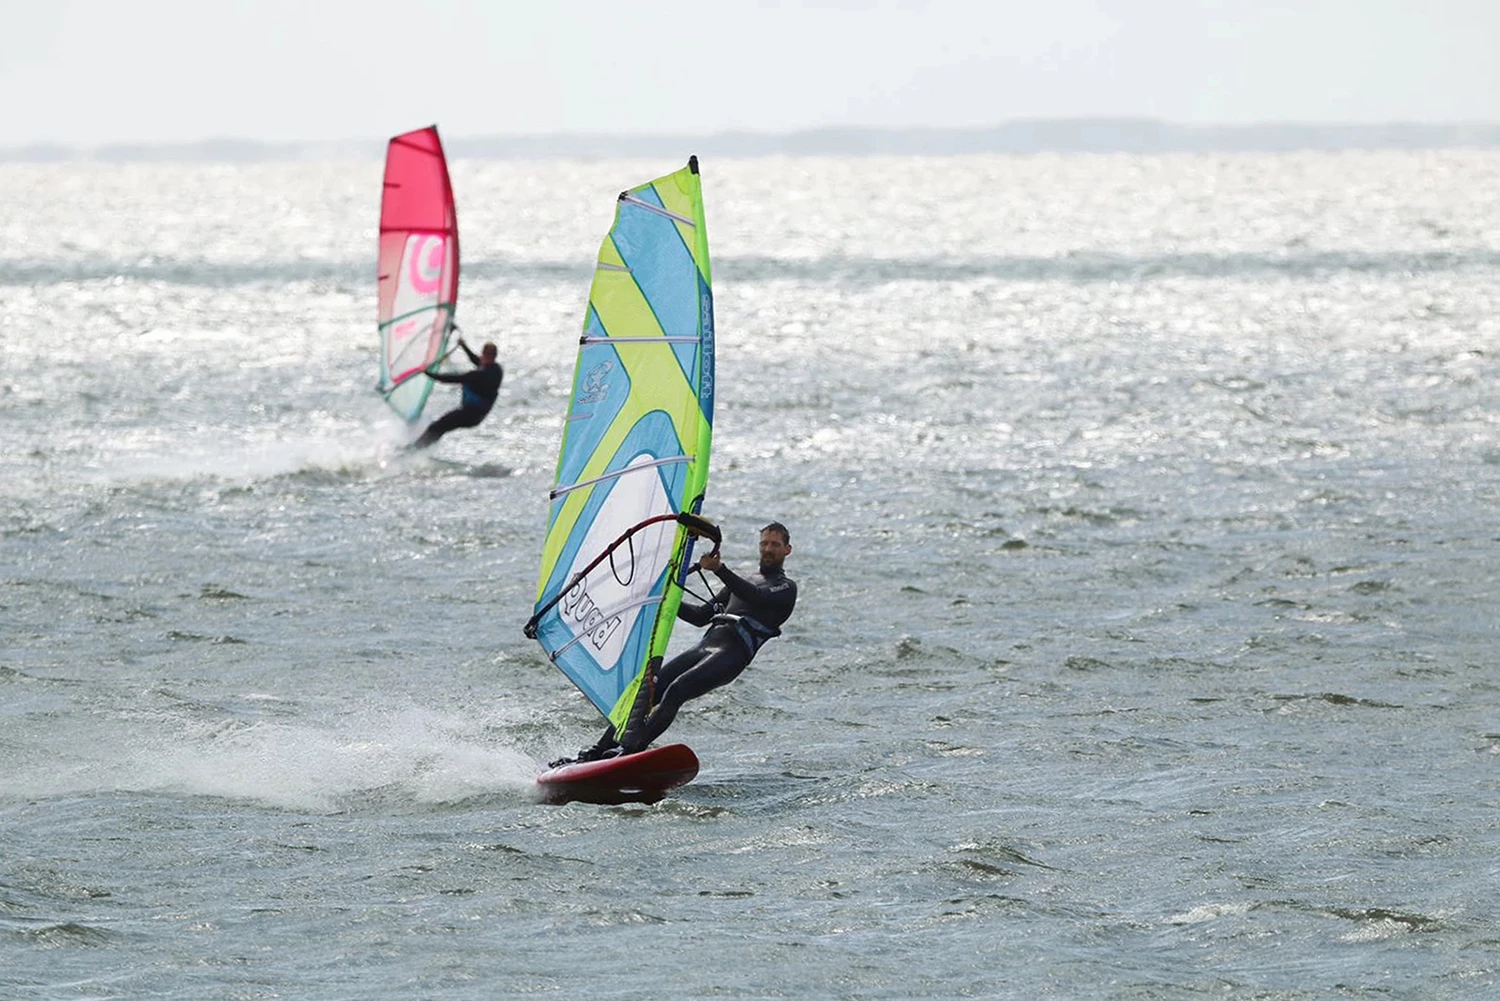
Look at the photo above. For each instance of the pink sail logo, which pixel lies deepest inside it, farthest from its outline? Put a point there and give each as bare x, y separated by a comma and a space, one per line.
428, 255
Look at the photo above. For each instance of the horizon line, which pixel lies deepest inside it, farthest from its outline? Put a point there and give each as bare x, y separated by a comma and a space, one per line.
1102, 134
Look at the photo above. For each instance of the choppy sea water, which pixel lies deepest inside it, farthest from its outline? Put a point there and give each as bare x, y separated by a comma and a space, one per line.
1144, 514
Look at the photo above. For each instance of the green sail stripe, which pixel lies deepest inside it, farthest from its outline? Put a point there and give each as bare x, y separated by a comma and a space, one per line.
449, 306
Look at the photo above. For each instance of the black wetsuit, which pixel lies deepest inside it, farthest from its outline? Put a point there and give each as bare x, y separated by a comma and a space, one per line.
741, 617
480, 387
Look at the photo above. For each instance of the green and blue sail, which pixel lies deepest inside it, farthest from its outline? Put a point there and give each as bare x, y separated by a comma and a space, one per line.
635, 447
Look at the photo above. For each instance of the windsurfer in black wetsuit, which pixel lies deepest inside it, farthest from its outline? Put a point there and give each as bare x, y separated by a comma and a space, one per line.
480, 387
741, 616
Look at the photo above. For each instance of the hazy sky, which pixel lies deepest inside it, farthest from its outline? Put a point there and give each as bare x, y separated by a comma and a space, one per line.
95, 71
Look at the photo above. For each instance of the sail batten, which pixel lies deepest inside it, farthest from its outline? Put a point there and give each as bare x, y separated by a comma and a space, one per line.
417, 268
665, 339
655, 208
562, 488
635, 448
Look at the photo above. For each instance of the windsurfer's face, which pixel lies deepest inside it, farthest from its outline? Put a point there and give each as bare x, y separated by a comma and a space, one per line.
773, 551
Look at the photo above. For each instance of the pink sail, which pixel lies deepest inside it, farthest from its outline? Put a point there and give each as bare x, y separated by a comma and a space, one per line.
417, 271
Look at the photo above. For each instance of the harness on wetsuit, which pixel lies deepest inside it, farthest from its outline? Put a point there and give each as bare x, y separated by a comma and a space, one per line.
751, 631
481, 387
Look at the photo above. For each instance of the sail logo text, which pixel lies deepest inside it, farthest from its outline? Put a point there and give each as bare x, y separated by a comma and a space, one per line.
589, 622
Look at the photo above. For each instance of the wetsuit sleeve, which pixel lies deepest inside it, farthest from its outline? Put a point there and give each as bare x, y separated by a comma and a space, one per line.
472, 356
776, 599
447, 376
699, 613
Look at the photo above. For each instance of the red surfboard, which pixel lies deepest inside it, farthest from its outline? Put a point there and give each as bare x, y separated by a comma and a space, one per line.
643, 777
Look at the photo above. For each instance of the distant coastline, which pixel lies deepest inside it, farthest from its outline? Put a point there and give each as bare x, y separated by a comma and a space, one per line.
1079, 135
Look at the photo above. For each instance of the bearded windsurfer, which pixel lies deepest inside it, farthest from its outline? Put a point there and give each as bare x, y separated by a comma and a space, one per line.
480, 388
741, 616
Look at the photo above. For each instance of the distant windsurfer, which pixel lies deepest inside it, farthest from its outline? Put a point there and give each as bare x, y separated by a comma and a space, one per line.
480, 388
741, 616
